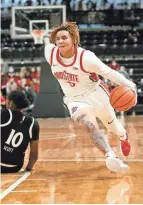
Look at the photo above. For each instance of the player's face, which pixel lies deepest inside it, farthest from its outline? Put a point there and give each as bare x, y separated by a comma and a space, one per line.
9, 104
64, 43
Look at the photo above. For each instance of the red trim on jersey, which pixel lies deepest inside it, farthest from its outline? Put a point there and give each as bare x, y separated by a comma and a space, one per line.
81, 65
93, 76
51, 58
59, 60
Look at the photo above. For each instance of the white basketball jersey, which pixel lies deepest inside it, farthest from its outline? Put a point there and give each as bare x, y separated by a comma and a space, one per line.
73, 78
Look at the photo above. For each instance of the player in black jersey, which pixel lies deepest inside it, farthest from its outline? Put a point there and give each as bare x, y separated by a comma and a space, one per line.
17, 131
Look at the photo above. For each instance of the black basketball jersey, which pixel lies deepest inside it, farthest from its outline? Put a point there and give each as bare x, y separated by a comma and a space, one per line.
17, 130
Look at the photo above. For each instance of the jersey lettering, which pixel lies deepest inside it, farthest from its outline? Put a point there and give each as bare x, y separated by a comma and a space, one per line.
66, 76
13, 137
8, 149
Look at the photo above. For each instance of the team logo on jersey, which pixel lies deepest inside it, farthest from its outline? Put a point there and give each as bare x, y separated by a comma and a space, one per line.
93, 77
74, 109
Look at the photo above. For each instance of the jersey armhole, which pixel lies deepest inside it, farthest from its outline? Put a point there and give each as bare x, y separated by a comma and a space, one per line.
9, 121
51, 58
93, 76
81, 64
31, 127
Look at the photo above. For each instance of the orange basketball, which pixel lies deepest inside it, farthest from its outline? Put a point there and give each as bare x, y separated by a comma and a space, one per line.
122, 98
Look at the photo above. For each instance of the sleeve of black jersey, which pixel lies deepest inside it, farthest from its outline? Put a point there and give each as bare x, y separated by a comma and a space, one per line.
35, 131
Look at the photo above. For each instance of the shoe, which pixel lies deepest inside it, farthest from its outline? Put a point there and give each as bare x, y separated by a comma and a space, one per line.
114, 164
125, 147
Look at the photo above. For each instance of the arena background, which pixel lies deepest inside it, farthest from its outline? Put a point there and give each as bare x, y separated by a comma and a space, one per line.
113, 30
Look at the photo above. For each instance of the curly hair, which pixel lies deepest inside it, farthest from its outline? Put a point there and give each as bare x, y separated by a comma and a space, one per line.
71, 27
19, 99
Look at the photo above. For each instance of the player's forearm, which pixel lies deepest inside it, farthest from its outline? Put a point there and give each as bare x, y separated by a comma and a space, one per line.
46, 40
48, 50
119, 79
95, 65
32, 160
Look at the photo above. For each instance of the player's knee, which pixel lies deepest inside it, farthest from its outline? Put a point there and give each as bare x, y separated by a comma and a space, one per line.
88, 121
80, 119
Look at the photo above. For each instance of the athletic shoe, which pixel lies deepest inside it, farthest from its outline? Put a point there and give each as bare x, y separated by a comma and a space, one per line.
125, 147
114, 164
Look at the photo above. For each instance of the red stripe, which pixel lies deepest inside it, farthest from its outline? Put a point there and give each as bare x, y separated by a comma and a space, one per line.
81, 65
51, 58
93, 76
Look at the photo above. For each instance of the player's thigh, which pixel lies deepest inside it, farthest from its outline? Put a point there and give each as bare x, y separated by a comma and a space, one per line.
82, 113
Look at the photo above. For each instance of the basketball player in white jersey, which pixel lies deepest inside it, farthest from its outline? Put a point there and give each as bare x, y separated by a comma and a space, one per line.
86, 95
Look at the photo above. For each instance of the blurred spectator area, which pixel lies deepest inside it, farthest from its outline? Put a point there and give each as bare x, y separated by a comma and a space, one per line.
20, 76
26, 73
111, 38
109, 34
103, 42
89, 15
109, 41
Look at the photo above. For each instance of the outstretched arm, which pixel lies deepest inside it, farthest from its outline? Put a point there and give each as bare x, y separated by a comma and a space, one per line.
93, 64
34, 146
48, 48
33, 156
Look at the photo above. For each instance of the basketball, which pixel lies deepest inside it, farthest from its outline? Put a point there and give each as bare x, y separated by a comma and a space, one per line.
122, 98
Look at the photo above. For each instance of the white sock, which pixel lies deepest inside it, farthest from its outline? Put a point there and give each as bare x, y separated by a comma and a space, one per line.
124, 137
110, 154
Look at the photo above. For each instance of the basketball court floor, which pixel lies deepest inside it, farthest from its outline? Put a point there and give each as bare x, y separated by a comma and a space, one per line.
71, 170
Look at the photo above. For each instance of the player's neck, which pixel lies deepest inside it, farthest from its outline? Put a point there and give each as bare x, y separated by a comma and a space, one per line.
69, 54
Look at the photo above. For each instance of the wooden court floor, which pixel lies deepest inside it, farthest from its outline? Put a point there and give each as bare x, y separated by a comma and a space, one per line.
71, 170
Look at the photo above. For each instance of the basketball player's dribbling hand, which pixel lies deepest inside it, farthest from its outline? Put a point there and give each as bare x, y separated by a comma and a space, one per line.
134, 89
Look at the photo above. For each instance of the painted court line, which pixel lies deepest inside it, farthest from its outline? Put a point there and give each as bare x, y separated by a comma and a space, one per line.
56, 138
14, 185
52, 193
36, 179
25, 191
85, 160
14, 175
58, 134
